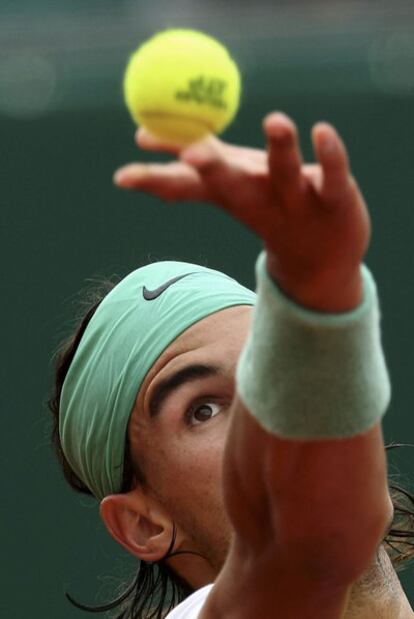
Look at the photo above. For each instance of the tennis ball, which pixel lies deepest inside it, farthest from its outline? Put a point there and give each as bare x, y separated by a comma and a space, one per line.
182, 85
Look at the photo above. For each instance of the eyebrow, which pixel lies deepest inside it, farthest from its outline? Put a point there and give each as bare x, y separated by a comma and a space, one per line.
167, 386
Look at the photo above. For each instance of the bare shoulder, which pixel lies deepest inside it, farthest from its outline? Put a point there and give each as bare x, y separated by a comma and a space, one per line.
409, 613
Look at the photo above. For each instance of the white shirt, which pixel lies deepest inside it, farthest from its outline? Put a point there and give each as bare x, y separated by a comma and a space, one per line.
191, 606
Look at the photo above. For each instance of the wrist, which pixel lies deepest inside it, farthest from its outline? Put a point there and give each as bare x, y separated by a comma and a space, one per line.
334, 290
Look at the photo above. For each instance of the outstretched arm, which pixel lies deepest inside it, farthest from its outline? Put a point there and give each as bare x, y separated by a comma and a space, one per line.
308, 514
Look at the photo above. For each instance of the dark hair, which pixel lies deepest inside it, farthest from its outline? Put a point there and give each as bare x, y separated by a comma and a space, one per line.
156, 588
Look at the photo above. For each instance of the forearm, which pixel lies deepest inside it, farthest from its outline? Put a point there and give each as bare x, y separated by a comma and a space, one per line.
320, 505
315, 445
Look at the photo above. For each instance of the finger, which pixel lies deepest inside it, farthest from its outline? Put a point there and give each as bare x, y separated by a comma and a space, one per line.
211, 157
285, 158
333, 158
208, 156
170, 181
231, 177
245, 154
148, 141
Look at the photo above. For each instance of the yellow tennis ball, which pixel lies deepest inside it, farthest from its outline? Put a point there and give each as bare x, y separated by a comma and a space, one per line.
182, 85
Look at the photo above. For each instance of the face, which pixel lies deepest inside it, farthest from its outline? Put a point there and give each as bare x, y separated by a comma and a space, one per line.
179, 425
177, 434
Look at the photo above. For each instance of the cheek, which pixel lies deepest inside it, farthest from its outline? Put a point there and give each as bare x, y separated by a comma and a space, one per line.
186, 477
188, 468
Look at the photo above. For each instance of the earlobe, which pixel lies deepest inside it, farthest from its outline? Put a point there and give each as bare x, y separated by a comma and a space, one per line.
137, 524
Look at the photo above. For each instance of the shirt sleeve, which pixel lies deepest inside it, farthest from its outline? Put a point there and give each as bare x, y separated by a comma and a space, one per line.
190, 608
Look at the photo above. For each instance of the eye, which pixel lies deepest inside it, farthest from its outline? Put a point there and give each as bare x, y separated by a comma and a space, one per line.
202, 413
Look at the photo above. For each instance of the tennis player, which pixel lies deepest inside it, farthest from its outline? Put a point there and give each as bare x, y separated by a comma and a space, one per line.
237, 437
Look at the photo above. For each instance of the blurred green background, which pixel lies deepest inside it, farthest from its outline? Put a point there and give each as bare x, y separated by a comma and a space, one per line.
64, 130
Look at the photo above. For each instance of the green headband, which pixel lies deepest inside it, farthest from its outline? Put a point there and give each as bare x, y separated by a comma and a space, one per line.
130, 329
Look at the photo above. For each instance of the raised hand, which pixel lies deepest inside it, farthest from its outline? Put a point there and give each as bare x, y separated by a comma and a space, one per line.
312, 218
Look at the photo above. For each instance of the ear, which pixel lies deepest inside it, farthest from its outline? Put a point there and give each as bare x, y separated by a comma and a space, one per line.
137, 523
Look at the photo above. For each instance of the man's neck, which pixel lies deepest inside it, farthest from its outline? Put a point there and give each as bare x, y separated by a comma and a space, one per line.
378, 593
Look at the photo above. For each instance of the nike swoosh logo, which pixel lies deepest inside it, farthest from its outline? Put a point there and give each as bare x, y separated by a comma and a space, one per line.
150, 295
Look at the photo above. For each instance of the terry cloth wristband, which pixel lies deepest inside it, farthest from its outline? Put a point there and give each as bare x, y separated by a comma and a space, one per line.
309, 375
